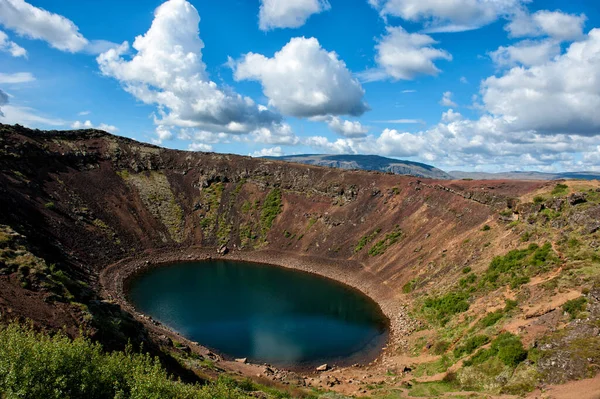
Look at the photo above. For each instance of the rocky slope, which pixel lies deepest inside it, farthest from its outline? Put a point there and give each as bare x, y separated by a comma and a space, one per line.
369, 162
83, 204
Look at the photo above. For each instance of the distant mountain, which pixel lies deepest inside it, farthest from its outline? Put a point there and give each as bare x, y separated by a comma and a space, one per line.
525, 175
369, 162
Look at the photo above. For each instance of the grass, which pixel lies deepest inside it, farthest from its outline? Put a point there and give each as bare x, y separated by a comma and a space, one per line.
271, 208
470, 345
390, 239
441, 308
365, 240
560, 189
507, 347
50, 205
431, 389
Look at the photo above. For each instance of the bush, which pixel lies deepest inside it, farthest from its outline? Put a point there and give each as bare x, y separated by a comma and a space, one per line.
466, 270
470, 345
486, 228
440, 347
575, 306
538, 199
447, 305
49, 205
34, 365
410, 286
510, 349
491, 318
390, 239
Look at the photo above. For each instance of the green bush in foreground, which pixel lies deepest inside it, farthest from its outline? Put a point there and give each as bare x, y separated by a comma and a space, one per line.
35, 365
575, 306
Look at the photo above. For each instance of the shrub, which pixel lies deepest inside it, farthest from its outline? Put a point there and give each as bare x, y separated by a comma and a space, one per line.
575, 306
34, 365
510, 349
49, 205
447, 305
471, 345
491, 318
440, 347
538, 199
466, 270
486, 228
410, 286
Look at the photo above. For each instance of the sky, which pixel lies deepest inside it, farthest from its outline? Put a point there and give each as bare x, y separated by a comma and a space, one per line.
474, 85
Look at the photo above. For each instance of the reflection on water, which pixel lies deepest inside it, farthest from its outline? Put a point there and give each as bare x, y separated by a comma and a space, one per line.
268, 314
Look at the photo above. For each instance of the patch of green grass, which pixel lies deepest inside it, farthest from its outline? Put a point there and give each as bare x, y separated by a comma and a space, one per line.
560, 189
550, 213
365, 240
410, 286
431, 389
390, 239
466, 270
491, 318
432, 368
507, 347
538, 199
50, 205
486, 228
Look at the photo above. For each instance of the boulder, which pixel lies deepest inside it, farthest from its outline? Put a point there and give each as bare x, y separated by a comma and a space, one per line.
223, 250
577, 198
242, 360
323, 367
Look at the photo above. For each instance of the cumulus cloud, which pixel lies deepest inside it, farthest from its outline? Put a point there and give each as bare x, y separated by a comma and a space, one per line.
200, 147
37, 23
288, 13
11, 47
551, 97
268, 152
89, 125
14, 78
163, 133
347, 128
556, 24
304, 80
29, 117
448, 15
526, 52
403, 55
446, 100
167, 70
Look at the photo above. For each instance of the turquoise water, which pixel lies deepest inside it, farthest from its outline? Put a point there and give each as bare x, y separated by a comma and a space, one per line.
265, 313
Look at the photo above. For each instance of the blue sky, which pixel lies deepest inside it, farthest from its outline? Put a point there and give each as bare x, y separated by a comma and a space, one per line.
487, 85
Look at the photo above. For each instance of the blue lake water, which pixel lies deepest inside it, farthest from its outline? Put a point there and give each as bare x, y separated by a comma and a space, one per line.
265, 313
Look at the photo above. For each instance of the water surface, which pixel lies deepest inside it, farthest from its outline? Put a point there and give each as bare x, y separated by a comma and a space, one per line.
265, 313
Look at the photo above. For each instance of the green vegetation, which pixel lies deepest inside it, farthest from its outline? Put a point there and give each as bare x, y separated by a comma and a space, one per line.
560, 189
575, 306
410, 286
507, 347
538, 199
466, 270
470, 345
491, 318
443, 307
486, 228
365, 240
432, 368
35, 365
49, 205
390, 239
516, 267
270, 209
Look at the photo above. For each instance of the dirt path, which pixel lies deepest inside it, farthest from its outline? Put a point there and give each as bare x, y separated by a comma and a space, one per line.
584, 389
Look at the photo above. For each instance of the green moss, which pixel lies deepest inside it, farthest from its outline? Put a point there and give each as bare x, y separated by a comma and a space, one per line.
50, 205
390, 239
271, 208
365, 240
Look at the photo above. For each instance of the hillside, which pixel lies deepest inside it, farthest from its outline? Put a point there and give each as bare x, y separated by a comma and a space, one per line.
490, 286
369, 162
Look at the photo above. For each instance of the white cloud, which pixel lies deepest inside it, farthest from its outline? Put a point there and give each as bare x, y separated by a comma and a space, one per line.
304, 80
402, 121
84, 113
3, 101
288, 13
15, 78
558, 96
347, 128
403, 55
268, 152
448, 15
37, 23
200, 147
526, 52
446, 100
11, 47
464, 80
89, 125
162, 134
556, 24
28, 117
167, 70
451, 116
408, 91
